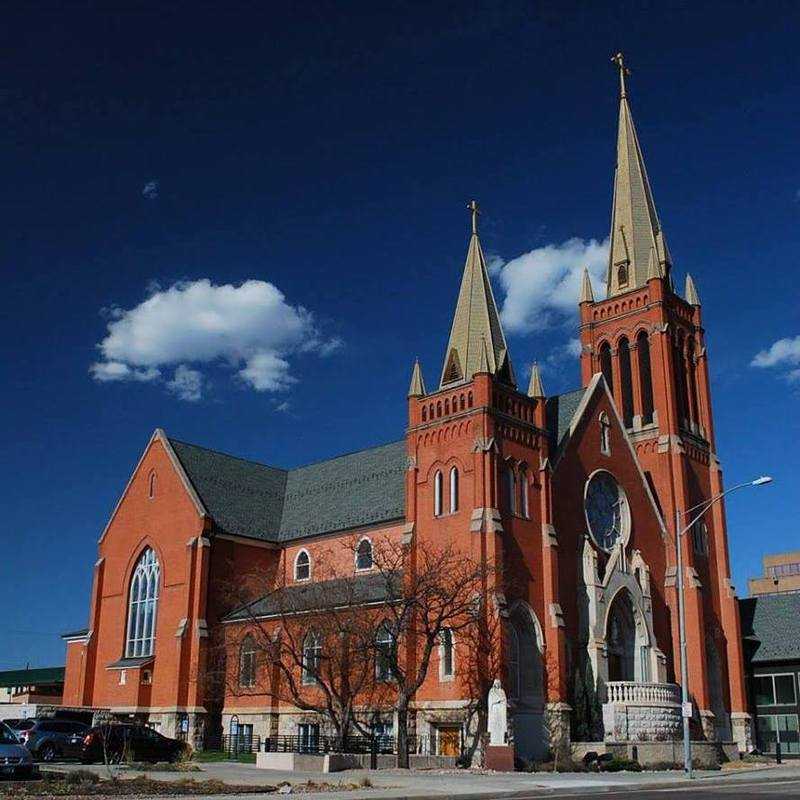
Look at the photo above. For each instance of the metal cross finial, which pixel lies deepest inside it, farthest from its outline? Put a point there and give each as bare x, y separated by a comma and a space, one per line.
619, 60
474, 211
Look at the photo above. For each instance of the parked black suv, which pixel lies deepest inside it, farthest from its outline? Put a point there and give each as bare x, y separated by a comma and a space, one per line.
117, 742
49, 739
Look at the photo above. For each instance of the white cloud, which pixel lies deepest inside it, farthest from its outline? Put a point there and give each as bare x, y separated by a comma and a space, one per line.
249, 328
542, 287
105, 371
150, 190
783, 353
187, 383
570, 350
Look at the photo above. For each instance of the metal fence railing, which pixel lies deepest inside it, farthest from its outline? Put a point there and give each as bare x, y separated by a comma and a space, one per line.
234, 744
352, 744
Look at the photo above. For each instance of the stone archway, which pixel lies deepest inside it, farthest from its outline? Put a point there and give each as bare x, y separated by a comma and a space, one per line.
526, 681
621, 639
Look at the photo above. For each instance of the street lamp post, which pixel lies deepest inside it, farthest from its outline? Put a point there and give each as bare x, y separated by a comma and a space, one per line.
686, 707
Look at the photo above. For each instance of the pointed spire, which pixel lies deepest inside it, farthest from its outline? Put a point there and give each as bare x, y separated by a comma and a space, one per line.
635, 227
535, 387
691, 292
476, 320
587, 294
417, 387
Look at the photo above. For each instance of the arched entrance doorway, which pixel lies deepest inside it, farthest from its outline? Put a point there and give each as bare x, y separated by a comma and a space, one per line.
525, 671
621, 639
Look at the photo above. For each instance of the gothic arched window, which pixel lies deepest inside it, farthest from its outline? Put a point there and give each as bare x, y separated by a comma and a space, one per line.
151, 485
438, 506
510, 489
523, 492
691, 379
312, 658
446, 654
679, 372
622, 276
625, 381
302, 566
645, 377
384, 651
605, 434
605, 365
453, 490
247, 662
142, 606
364, 554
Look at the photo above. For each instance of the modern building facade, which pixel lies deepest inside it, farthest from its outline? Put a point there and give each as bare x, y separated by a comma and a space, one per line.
575, 496
771, 629
781, 574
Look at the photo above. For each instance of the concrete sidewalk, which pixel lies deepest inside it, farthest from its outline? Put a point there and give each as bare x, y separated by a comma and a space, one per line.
462, 784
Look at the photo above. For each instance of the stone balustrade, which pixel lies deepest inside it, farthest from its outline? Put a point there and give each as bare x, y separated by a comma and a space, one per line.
643, 694
642, 711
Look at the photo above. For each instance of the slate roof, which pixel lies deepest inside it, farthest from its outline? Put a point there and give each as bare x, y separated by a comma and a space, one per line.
42, 676
276, 505
771, 623
560, 409
301, 597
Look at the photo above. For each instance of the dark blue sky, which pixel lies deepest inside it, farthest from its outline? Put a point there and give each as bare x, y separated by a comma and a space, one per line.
329, 150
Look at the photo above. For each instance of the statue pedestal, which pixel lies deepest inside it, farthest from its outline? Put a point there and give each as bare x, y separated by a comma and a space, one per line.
499, 757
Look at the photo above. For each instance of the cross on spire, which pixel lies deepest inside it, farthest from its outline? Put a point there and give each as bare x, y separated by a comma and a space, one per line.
619, 60
474, 210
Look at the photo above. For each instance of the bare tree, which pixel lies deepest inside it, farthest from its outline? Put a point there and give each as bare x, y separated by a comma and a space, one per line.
441, 588
311, 645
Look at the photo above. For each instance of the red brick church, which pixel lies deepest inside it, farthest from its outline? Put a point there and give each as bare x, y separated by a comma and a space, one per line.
577, 493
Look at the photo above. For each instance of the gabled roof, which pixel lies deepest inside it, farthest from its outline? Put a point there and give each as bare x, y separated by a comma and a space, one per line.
772, 624
560, 410
246, 498
303, 597
40, 676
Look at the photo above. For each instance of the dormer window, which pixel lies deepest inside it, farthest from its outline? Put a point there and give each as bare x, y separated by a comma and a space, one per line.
302, 566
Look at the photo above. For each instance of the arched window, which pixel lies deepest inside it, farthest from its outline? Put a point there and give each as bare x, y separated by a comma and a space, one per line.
624, 352
384, 651
679, 365
446, 654
364, 554
622, 276
523, 492
142, 606
645, 377
605, 365
424, 414
302, 566
509, 489
312, 658
605, 434
247, 662
691, 379
151, 485
700, 537
453, 490
438, 506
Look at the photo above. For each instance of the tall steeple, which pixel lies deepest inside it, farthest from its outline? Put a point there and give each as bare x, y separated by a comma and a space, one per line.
476, 320
635, 227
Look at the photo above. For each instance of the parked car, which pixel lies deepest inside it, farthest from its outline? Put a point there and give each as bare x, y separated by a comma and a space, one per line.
15, 759
49, 739
120, 741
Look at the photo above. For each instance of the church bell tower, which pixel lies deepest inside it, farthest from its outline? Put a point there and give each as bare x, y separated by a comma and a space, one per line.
649, 344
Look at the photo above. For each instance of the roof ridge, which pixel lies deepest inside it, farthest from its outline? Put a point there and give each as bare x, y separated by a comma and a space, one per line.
345, 455
227, 455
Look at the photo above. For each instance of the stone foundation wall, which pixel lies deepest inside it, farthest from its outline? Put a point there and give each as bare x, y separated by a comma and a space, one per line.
644, 723
705, 755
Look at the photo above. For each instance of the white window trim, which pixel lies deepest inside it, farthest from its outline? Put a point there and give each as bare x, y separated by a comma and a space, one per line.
776, 704
371, 555
444, 677
296, 560
390, 641
438, 492
455, 481
135, 627
305, 678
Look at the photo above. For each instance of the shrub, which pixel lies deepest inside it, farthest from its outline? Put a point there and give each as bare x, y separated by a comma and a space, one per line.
620, 765
81, 777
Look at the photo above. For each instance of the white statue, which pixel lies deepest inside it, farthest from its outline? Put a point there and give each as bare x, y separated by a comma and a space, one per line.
498, 714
